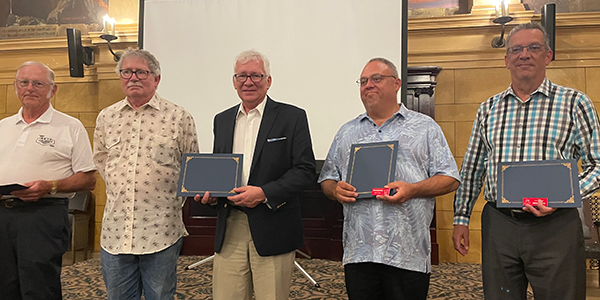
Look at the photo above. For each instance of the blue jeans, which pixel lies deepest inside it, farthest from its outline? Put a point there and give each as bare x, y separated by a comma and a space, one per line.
127, 275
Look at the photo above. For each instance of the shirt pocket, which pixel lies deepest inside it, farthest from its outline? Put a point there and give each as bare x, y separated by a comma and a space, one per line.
113, 149
164, 150
114, 144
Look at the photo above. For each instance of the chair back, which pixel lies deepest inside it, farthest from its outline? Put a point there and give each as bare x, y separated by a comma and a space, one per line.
80, 202
590, 228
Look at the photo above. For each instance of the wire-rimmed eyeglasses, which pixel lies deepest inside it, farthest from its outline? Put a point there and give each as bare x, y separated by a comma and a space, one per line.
23, 83
375, 78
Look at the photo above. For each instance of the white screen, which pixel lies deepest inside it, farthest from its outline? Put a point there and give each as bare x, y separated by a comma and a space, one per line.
317, 49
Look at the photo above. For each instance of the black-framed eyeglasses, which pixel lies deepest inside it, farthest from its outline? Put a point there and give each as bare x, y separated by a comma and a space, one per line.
140, 74
375, 78
23, 83
533, 48
254, 77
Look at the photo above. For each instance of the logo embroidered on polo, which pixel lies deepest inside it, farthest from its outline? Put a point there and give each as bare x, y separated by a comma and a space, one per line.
45, 141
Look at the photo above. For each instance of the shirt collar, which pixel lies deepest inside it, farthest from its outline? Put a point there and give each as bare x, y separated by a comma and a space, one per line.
154, 103
260, 108
402, 112
46, 117
544, 89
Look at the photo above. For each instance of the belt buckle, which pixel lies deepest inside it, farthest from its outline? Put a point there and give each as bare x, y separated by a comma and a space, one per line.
8, 203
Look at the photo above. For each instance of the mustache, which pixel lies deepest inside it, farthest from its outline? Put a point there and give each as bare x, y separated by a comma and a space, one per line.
134, 84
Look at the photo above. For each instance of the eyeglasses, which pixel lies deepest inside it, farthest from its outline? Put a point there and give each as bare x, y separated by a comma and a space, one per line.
254, 77
141, 74
375, 78
533, 48
23, 83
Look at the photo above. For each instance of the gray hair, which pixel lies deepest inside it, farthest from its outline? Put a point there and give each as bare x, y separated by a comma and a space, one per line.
531, 25
39, 64
254, 55
388, 63
153, 63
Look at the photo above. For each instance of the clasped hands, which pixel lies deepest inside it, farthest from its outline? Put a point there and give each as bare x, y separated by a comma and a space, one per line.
346, 193
247, 196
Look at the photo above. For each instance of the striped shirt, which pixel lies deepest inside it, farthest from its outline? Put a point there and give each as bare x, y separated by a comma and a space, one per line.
554, 123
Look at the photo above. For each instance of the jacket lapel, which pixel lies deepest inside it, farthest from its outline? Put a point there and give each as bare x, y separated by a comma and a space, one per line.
228, 129
269, 116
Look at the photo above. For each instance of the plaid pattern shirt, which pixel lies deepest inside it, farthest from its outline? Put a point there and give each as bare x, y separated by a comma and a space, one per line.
554, 123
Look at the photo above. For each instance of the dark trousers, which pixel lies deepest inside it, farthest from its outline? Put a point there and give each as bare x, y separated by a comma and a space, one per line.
373, 281
32, 243
546, 252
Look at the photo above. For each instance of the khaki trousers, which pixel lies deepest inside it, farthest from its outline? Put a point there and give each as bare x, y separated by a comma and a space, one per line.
238, 270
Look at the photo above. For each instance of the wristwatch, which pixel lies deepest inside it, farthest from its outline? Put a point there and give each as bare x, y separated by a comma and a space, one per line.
54, 187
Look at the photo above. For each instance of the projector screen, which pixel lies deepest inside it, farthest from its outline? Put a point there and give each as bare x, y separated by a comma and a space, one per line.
317, 49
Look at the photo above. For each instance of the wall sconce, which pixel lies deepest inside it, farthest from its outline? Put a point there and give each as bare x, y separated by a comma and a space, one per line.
502, 17
108, 34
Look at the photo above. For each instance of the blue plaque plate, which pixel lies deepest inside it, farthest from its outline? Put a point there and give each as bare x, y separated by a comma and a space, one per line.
218, 174
372, 165
555, 180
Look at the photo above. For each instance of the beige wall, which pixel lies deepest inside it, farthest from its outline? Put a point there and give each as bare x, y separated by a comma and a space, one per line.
472, 71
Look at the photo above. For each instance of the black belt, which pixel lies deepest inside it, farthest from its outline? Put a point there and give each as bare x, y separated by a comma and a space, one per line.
238, 208
515, 213
16, 202
230, 203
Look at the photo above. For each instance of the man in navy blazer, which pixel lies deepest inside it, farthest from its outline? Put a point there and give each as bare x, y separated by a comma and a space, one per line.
259, 228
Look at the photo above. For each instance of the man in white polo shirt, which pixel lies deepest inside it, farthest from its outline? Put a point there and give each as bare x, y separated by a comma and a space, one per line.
49, 153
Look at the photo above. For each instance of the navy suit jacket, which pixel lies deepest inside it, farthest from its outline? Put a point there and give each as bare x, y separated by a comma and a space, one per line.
283, 166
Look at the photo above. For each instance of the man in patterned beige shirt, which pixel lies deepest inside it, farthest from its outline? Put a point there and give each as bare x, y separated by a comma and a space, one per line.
138, 146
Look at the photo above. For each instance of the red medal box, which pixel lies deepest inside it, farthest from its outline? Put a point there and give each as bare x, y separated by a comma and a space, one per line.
380, 191
534, 201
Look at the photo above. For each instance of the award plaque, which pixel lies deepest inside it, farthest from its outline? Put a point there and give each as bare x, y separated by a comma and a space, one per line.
371, 166
9, 188
553, 181
218, 174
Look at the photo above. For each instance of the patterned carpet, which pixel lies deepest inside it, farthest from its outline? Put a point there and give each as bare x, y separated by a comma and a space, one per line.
448, 281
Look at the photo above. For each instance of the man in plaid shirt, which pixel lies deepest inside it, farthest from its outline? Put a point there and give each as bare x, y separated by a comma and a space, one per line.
532, 120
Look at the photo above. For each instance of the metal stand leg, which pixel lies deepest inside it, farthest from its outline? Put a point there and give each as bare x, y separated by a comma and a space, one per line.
302, 269
306, 274
200, 262
298, 266
303, 254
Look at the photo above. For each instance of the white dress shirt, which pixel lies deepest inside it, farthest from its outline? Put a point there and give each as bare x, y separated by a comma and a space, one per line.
245, 134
